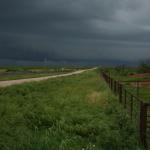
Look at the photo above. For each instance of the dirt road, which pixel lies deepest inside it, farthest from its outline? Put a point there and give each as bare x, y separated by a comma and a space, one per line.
20, 81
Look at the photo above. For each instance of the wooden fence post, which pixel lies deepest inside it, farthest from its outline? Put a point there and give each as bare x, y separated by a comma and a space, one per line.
125, 98
131, 107
143, 121
123, 93
137, 88
120, 93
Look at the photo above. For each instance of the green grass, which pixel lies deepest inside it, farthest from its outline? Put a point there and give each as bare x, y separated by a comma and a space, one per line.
70, 113
13, 73
143, 93
122, 74
27, 75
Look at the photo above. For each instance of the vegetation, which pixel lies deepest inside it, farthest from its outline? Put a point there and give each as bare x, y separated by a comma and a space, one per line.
12, 73
144, 67
120, 73
129, 77
70, 113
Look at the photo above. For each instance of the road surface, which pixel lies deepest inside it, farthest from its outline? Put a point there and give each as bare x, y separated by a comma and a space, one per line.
20, 81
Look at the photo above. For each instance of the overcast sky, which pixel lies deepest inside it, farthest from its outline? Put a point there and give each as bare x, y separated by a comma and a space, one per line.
75, 30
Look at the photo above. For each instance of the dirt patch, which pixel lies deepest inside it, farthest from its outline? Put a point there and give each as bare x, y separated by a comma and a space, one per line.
140, 75
97, 98
141, 84
145, 84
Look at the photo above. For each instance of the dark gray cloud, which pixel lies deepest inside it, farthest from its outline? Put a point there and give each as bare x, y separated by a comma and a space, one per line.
65, 30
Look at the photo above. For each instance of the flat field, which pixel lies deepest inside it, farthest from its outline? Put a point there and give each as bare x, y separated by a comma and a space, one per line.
13, 73
69, 113
135, 82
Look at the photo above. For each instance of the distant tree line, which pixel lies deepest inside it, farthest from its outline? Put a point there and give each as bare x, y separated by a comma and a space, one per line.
144, 66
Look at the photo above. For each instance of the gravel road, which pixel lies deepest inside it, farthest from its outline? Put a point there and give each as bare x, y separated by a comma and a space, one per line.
20, 81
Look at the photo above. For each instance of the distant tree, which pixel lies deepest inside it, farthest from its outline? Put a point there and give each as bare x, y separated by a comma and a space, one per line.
144, 66
123, 70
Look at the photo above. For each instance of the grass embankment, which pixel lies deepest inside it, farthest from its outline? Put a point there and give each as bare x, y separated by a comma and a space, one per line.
70, 113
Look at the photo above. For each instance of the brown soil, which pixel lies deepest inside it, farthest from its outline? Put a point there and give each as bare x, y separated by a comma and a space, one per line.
141, 84
141, 75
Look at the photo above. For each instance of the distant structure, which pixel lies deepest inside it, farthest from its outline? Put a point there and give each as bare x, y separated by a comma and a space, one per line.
45, 61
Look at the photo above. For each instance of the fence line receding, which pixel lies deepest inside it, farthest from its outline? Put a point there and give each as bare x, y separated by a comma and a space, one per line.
138, 109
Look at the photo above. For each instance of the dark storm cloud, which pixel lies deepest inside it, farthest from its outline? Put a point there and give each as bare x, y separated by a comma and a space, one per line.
79, 29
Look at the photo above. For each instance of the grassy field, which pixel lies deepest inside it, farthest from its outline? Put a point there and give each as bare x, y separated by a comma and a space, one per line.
70, 113
141, 92
13, 73
123, 75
